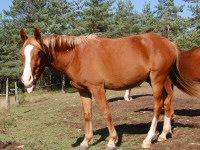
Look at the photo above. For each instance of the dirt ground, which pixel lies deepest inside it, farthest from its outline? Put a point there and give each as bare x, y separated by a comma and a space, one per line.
132, 121
10, 146
186, 124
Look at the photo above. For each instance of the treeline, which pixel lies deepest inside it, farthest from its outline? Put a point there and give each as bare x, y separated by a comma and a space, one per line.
111, 18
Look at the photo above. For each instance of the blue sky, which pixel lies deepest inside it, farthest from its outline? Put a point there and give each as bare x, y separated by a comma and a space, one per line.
138, 5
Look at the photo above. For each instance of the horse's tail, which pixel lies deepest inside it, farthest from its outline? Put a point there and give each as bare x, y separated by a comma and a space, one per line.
187, 86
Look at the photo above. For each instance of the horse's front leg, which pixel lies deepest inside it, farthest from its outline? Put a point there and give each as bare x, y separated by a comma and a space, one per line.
87, 108
99, 95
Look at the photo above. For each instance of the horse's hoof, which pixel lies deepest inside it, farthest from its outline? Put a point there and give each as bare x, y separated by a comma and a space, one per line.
161, 139
126, 99
146, 144
83, 147
110, 147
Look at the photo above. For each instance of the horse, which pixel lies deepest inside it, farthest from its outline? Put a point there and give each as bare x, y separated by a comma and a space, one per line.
94, 64
188, 60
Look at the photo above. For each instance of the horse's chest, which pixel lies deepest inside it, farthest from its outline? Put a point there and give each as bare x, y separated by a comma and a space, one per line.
77, 86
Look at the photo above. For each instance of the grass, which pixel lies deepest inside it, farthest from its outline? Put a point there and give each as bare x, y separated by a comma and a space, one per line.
53, 120
38, 122
43, 121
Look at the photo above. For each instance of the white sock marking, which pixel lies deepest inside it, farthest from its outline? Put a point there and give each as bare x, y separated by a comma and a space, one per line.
127, 95
152, 130
166, 127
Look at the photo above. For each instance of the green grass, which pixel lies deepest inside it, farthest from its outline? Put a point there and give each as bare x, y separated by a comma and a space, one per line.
43, 121
53, 120
38, 122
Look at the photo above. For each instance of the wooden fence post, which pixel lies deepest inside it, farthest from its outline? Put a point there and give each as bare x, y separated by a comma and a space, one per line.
16, 94
7, 95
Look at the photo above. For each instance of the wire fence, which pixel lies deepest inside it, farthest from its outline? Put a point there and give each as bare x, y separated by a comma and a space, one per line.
6, 103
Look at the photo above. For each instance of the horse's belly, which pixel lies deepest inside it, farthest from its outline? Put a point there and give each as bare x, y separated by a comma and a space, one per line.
126, 80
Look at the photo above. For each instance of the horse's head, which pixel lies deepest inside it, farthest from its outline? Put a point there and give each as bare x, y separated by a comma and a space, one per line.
33, 59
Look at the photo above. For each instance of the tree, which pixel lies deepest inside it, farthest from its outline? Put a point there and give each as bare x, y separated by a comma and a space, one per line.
125, 21
58, 12
191, 37
167, 13
74, 25
29, 14
148, 21
195, 9
96, 15
9, 49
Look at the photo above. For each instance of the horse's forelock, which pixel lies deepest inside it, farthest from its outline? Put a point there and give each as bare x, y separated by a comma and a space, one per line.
33, 42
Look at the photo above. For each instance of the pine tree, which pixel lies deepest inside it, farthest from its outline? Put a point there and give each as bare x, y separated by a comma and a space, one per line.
167, 13
56, 12
1, 41
148, 21
10, 49
27, 14
96, 15
125, 20
194, 7
191, 37
74, 19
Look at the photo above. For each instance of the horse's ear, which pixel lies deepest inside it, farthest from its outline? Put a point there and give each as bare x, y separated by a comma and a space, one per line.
37, 34
23, 35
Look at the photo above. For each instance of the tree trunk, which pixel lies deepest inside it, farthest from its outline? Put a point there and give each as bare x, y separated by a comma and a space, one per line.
168, 20
63, 83
1, 86
7, 95
16, 94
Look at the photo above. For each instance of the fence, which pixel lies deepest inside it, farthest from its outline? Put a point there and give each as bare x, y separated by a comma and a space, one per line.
6, 104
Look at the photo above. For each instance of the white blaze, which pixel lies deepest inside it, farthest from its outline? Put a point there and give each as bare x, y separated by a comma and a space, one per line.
27, 74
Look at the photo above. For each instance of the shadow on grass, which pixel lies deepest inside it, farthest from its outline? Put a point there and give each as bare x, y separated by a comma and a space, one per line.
133, 97
131, 129
180, 112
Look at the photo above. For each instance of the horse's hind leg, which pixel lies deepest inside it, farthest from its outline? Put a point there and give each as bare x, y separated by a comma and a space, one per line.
99, 95
87, 108
168, 107
157, 82
127, 95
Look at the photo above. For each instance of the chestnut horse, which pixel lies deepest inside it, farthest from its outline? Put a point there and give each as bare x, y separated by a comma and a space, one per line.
94, 64
188, 60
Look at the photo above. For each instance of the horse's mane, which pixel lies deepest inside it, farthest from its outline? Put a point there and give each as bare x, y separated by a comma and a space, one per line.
54, 40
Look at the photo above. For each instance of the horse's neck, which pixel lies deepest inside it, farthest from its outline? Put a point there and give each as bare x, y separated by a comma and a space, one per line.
61, 60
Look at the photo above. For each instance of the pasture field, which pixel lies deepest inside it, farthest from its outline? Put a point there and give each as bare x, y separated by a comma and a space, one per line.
54, 121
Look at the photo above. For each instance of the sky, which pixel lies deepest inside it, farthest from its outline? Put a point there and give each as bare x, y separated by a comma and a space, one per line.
138, 5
